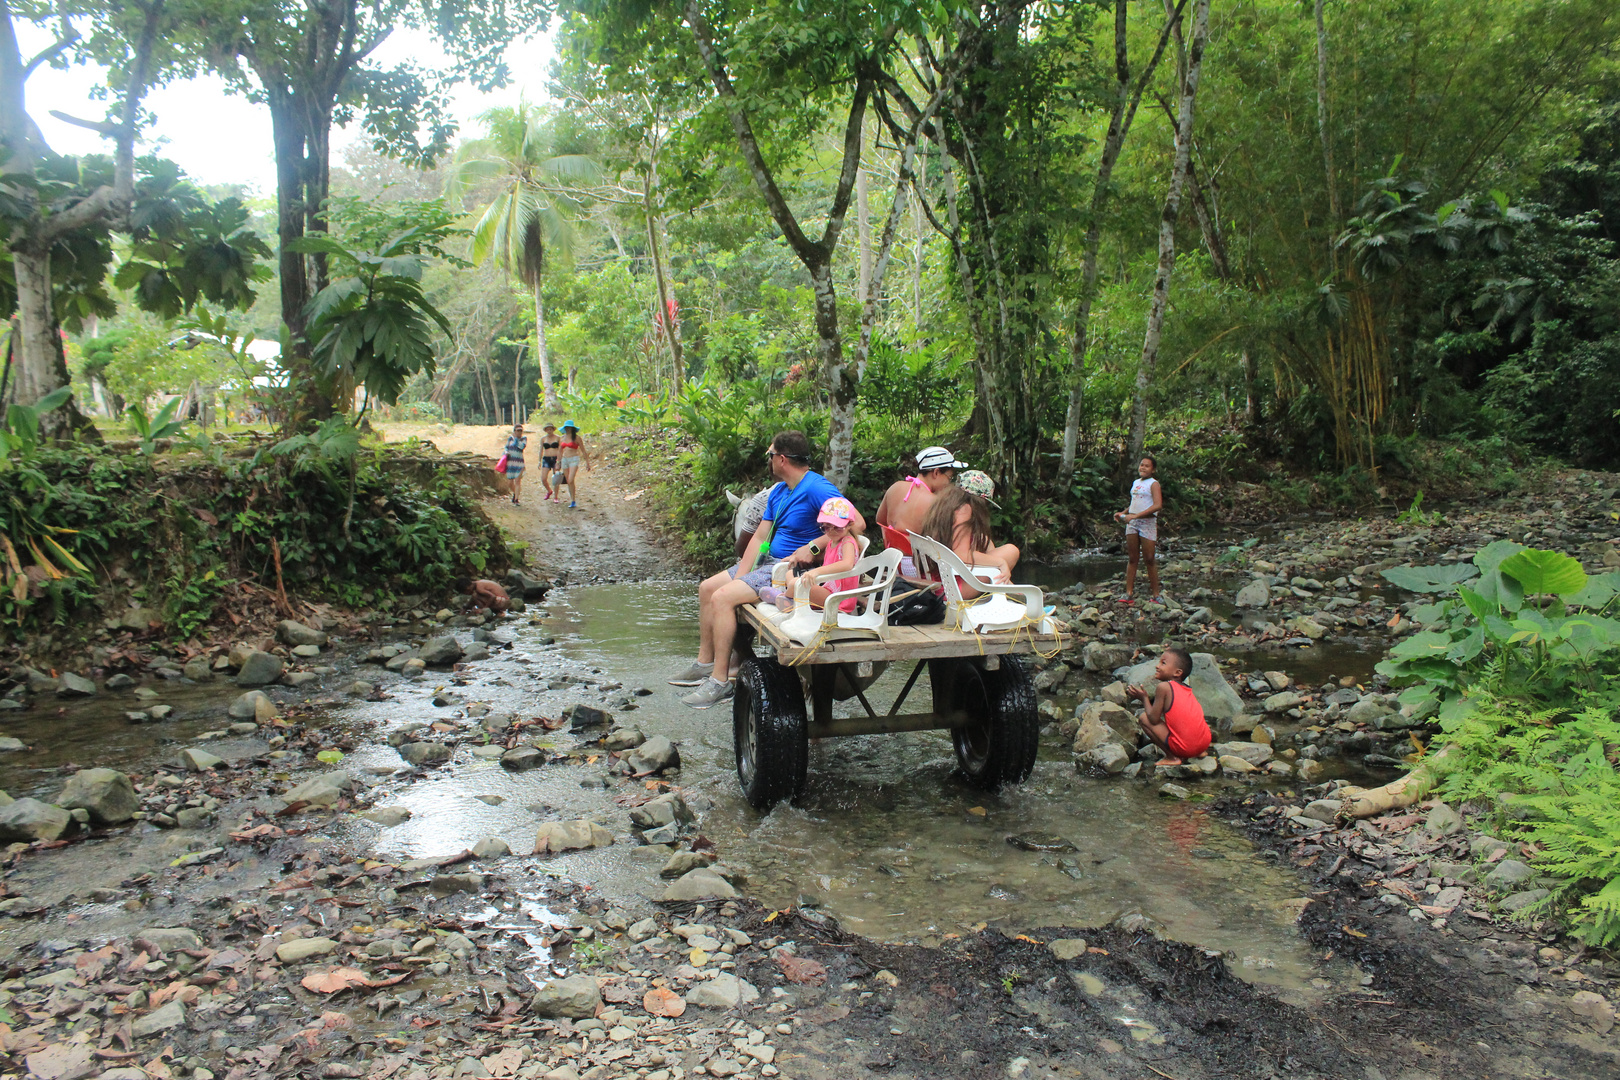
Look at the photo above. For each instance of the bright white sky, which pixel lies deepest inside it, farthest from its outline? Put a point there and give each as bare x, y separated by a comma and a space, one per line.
219, 137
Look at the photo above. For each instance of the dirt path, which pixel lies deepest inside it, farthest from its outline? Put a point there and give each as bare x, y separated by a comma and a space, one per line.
608, 539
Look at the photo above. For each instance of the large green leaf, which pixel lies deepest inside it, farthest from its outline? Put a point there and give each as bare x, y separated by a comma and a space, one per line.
1490, 556
1600, 589
1541, 572
1426, 644
1481, 608
1430, 579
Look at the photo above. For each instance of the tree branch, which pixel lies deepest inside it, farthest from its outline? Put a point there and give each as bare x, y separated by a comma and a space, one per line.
56, 49
104, 127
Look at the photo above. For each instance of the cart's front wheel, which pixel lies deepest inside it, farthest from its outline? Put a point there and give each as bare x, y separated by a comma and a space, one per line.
1000, 734
771, 732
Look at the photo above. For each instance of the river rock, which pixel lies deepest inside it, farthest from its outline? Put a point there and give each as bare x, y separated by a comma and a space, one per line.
1520, 900
108, 796
1307, 769
39, 682
1325, 810
1278, 681
1278, 703
323, 790
1508, 872
259, 669
75, 686
1234, 766
1215, 695
654, 756
700, 883
170, 938
1442, 821
1256, 594
1252, 752
193, 817
291, 952
249, 705
575, 998
1174, 791
1367, 710
666, 809
585, 717
724, 991
447, 884
475, 652
1094, 733
1114, 694
198, 669
239, 653
1308, 627
491, 847
1109, 757
682, 863
1120, 720
388, 816
1594, 1008
27, 820
440, 651
119, 682
559, 836
1100, 656
200, 760
292, 632
623, 738
424, 753
358, 688
1067, 948
170, 1016
523, 758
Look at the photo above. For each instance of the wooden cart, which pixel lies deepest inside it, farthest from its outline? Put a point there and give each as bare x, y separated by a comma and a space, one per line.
982, 690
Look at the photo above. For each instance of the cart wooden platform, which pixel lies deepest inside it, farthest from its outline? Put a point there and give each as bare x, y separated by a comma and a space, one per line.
982, 694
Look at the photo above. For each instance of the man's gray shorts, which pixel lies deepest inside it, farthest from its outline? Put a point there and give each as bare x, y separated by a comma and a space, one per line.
755, 579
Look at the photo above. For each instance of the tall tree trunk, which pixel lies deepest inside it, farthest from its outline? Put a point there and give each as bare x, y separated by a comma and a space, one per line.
1167, 231
541, 355
841, 383
1322, 114
1251, 390
41, 366
287, 136
1126, 100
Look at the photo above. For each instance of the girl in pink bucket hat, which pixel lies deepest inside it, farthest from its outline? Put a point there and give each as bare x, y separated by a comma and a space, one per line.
839, 550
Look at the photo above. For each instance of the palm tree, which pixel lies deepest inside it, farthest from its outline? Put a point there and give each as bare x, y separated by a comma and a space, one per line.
529, 222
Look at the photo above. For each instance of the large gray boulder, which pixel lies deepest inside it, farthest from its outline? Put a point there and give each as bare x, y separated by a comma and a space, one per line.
700, 884
1214, 693
27, 820
440, 651
575, 998
108, 796
425, 753
259, 669
75, 686
292, 632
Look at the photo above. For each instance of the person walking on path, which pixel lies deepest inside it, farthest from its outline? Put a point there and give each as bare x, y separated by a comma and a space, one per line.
548, 458
1141, 520
789, 524
571, 453
514, 461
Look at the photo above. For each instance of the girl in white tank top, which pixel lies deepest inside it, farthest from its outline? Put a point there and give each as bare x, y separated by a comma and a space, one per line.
1141, 522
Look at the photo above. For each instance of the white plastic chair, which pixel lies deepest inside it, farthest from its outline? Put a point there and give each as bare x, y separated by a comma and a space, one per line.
805, 625
769, 611
998, 607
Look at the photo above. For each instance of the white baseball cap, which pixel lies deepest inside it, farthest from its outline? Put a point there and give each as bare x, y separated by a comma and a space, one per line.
937, 457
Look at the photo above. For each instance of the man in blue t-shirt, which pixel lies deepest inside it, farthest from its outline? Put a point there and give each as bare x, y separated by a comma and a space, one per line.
789, 525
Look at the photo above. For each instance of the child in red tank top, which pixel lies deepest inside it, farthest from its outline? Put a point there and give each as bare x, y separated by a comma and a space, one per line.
1172, 718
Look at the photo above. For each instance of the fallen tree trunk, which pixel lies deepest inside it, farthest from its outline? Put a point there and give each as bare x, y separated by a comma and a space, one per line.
1397, 794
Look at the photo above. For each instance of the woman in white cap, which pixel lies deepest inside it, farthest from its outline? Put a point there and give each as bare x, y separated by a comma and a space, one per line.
905, 505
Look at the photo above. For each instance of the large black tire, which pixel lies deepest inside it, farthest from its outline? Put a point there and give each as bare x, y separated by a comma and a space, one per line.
999, 743
770, 731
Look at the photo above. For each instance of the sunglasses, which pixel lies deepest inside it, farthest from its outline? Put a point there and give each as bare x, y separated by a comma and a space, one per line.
826, 528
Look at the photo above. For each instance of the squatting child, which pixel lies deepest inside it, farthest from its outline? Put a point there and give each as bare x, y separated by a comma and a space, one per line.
1172, 717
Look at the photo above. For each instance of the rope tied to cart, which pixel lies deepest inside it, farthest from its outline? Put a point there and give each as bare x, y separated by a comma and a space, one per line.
1028, 625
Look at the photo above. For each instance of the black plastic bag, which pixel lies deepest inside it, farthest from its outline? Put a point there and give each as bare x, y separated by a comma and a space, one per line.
922, 607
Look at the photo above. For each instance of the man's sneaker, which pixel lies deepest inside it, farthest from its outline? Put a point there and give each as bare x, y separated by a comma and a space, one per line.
711, 693
694, 675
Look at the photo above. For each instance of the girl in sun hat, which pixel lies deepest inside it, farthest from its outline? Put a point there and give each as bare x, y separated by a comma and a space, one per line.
572, 451
960, 519
839, 551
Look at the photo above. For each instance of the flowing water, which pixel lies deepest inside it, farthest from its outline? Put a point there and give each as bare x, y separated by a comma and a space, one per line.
886, 838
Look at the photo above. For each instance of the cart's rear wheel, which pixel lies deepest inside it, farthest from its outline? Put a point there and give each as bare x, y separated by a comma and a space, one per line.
771, 732
1001, 736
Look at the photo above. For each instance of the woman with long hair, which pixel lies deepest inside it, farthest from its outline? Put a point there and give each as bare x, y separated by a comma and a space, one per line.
960, 519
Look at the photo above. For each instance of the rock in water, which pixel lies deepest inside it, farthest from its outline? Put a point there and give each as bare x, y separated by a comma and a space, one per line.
654, 756
523, 758
388, 816
1111, 758
440, 651
663, 810
584, 717
247, 705
75, 686
198, 669
27, 820
1256, 594
259, 669
700, 883
424, 753
292, 632
108, 796
1040, 842
323, 790
559, 836
1097, 656
576, 998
